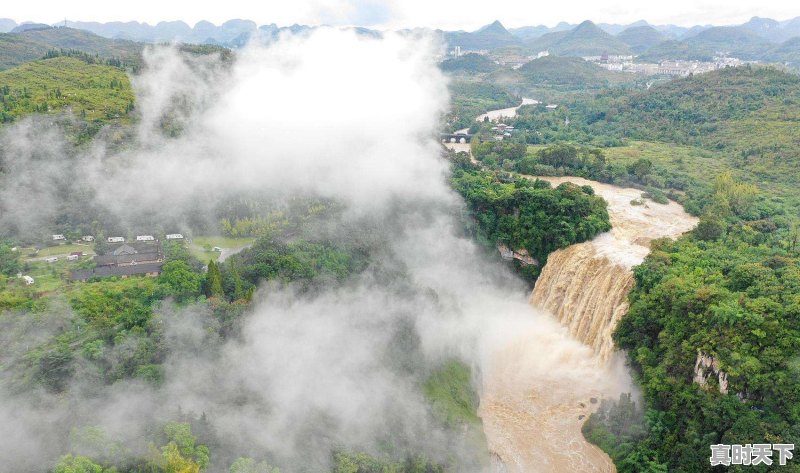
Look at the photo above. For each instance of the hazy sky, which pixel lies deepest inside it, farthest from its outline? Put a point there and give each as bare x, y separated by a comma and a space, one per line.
447, 14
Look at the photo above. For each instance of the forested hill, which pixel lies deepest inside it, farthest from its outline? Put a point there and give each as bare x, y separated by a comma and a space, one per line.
568, 73
751, 115
18, 48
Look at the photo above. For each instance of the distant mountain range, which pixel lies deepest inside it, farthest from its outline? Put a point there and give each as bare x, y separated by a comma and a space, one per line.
758, 39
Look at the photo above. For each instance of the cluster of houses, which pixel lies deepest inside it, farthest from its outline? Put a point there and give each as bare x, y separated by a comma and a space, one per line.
681, 68
144, 257
502, 131
119, 239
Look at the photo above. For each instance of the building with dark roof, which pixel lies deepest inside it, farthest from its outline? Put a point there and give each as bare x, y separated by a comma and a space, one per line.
127, 259
129, 253
148, 269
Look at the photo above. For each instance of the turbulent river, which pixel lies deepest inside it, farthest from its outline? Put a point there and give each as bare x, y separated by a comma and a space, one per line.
538, 389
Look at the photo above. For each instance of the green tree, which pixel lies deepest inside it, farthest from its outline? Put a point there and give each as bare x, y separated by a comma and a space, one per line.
9, 260
641, 168
710, 228
214, 280
80, 464
180, 281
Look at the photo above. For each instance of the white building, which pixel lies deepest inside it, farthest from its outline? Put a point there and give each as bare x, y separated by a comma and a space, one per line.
72, 258
116, 239
174, 236
28, 280
51, 259
87, 238
58, 237
145, 238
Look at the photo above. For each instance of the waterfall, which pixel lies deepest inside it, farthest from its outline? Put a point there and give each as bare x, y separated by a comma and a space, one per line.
540, 387
585, 286
586, 292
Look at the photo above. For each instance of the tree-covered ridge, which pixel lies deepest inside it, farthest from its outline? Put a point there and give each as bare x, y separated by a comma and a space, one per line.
92, 91
567, 73
530, 215
469, 64
19, 48
736, 299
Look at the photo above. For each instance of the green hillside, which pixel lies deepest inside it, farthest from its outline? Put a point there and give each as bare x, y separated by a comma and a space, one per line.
587, 39
734, 40
469, 63
787, 52
641, 38
18, 48
568, 73
91, 91
744, 118
750, 115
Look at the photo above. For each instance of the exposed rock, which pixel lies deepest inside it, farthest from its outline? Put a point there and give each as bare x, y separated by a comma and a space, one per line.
707, 366
521, 255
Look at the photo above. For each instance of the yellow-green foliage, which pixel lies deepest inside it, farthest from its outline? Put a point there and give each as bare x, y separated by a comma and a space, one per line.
91, 91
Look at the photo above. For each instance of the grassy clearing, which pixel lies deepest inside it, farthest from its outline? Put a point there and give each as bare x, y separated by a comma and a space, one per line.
51, 276
201, 246
692, 161
62, 250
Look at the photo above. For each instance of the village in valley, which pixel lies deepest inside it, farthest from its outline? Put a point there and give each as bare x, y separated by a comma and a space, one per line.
87, 258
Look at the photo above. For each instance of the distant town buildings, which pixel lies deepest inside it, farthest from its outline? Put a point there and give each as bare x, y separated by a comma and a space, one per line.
58, 237
115, 239
673, 68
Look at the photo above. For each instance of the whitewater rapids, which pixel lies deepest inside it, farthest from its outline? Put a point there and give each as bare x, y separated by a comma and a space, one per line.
532, 417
